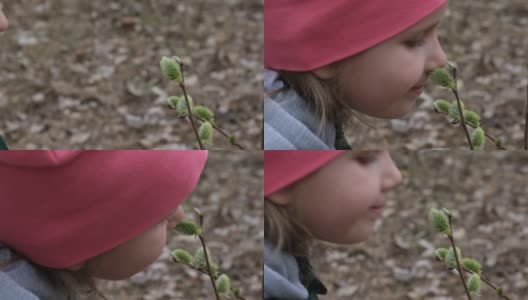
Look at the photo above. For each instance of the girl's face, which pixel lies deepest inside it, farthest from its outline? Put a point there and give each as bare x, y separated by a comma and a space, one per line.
341, 201
134, 255
3, 21
385, 80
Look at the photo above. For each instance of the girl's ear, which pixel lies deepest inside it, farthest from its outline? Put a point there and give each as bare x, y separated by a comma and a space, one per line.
325, 72
281, 197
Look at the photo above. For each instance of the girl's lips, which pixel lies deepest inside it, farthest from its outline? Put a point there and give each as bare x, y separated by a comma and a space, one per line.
377, 210
417, 90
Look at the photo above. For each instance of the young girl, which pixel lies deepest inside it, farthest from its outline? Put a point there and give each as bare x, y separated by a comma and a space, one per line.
67, 217
326, 59
331, 196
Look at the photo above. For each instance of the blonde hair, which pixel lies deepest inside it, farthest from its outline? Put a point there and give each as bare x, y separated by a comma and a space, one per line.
284, 231
323, 96
75, 284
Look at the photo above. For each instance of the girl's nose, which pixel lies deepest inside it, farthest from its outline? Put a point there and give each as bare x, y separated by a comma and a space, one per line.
392, 176
175, 217
437, 57
3, 22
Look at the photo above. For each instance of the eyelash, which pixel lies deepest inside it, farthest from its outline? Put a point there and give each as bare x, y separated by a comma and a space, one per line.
367, 159
416, 44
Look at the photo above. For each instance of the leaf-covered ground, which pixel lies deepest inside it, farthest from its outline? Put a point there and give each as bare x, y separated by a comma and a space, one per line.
487, 194
489, 42
85, 74
229, 194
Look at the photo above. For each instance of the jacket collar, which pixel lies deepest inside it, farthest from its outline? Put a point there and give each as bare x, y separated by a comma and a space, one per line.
290, 124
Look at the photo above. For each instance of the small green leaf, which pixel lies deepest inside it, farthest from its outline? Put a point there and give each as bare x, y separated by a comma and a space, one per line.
474, 284
214, 269
204, 113
472, 118
170, 68
182, 256
442, 78
472, 265
188, 227
232, 139
453, 110
223, 284
199, 258
439, 221
441, 105
179, 104
478, 138
206, 133
236, 292
500, 291
498, 143
441, 253
172, 101
450, 258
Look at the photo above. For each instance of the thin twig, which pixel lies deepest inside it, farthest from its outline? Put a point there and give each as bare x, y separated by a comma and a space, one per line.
208, 271
204, 246
460, 110
494, 140
491, 285
459, 269
189, 108
209, 267
190, 265
463, 121
204, 272
221, 132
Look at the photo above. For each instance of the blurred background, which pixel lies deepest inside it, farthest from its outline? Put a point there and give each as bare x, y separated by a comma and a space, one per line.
489, 42
487, 195
85, 74
229, 194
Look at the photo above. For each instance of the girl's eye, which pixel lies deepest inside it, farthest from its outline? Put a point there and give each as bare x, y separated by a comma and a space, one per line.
415, 43
367, 158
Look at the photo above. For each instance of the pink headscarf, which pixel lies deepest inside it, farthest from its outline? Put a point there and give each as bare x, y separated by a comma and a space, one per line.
284, 167
302, 35
59, 208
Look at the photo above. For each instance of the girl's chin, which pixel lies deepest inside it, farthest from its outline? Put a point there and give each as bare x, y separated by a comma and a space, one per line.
404, 109
357, 237
404, 113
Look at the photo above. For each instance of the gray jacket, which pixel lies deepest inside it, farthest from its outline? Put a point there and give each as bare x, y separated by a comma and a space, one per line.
20, 280
289, 124
281, 276
289, 278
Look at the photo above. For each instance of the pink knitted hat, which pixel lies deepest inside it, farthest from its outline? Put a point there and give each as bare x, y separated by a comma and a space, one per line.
284, 167
59, 208
302, 35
